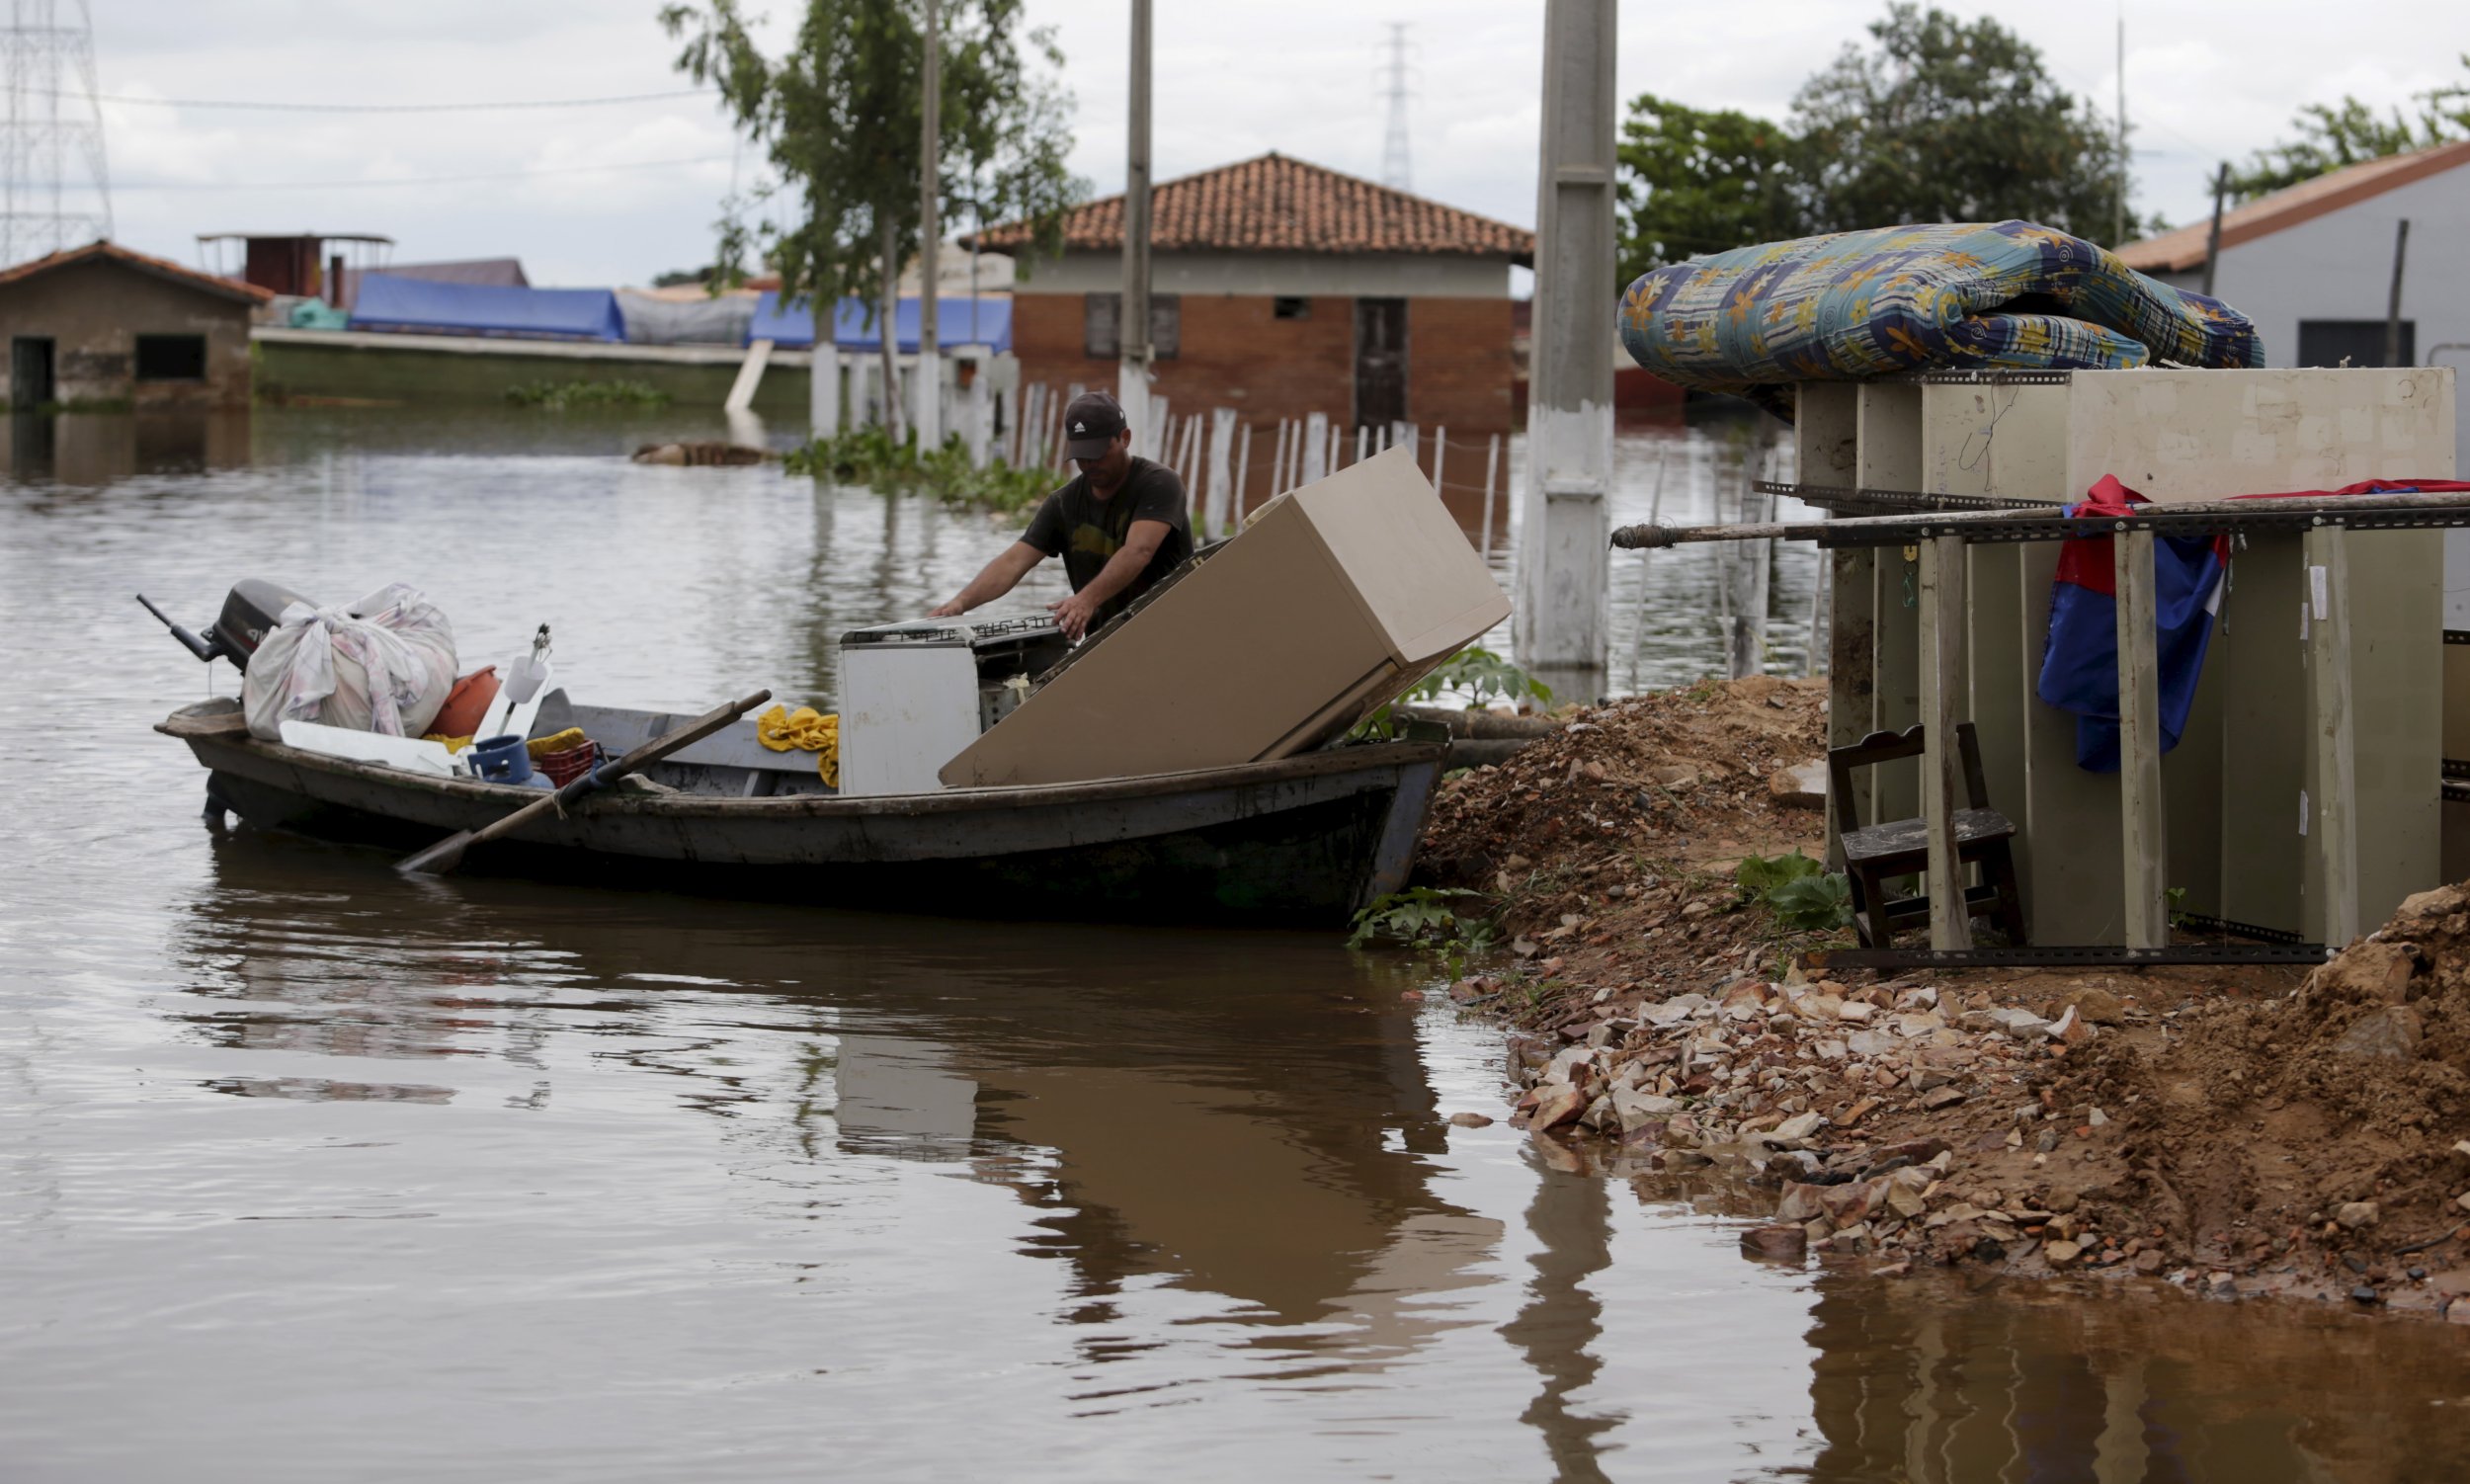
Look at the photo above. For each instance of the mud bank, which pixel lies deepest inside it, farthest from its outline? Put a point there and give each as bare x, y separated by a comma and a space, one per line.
2256, 1131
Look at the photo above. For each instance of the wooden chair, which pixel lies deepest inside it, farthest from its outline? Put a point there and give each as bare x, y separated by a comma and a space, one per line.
1875, 853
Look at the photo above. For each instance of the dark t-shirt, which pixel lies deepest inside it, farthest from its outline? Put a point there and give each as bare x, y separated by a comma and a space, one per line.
1087, 532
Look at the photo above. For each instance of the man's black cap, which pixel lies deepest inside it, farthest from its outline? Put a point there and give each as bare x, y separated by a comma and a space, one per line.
1090, 423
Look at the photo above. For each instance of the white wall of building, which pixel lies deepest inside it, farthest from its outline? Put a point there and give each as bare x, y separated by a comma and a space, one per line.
2339, 266
1371, 276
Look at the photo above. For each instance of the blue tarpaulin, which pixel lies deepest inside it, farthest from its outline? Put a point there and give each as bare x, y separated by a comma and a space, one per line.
793, 326
391, 304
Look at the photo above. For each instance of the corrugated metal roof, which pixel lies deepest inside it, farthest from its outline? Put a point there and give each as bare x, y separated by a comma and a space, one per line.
1281, 204
2184, 249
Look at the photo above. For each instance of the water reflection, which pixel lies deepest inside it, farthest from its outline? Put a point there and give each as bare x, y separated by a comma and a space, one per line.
1924, 1382
1163, 1115
91, 449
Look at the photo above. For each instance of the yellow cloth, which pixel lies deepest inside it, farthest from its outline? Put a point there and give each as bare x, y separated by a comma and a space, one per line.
537, 747
808, 729
541, 747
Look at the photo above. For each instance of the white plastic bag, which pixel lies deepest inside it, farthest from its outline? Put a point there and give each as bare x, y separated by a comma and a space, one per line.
384, 664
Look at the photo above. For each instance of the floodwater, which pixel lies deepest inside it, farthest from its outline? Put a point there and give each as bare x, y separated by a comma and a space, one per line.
308, 1172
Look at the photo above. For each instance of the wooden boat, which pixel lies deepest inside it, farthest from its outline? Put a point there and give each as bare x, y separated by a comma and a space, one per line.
1311, 838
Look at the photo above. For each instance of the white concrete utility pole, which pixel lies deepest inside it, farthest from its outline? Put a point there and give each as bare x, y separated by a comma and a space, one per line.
1133, 324
929, 379
1564, 565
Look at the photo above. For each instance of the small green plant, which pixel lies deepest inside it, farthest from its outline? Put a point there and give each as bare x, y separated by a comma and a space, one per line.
1804, 897
1482, 675
575, 396
1423, 917
2177, 898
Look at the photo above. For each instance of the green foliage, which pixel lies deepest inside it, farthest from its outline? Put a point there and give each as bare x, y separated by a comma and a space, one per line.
2330, 136
840, 113
1698, 182
1813, 904
1945, 121
1481, 675
569, 396
871, 456
1756, 875
1804, 897
1938, 120
1423, 917
1484, 677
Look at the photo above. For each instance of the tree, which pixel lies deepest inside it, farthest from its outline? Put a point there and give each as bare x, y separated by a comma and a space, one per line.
1939, 121
1945, 121
1696, 182
840, 119
2348, 132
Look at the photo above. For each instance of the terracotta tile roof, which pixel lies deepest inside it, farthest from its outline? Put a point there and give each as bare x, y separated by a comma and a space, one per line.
2179, 251
161, 268
1279, 205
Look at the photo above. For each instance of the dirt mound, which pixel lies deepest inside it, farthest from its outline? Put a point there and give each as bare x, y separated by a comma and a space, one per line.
1666, 782
2236, 1131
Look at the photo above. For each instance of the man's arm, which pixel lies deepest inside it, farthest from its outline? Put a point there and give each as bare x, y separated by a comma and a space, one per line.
1140, 544
999, 577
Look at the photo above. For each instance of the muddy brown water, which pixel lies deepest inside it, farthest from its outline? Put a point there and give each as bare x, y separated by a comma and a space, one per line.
308, 1172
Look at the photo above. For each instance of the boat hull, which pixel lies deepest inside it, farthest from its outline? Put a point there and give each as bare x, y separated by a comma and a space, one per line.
1314, 838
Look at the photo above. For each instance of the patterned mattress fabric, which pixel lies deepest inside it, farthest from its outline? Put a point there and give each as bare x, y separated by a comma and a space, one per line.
1952, 296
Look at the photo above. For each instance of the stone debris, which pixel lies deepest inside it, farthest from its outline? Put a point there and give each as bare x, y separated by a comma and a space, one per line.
2231, 1131
1470, 1120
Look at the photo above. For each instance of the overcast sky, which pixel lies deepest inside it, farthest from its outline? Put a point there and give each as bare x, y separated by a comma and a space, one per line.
2206, 79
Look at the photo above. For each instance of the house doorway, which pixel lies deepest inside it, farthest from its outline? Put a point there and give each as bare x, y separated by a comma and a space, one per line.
29, 372
1381, 362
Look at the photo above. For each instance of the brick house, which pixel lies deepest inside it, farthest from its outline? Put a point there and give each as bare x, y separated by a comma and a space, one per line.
1282, 288
99, 324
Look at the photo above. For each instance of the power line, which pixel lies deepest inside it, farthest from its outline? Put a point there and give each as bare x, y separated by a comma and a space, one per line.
417, 180
376, 107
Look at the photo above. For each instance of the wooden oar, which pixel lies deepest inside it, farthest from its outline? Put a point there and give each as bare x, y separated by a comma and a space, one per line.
448, 853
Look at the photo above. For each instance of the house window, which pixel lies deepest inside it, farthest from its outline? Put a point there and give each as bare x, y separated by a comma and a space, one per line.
2324, 342
1290, 307
1102, 314
171, 358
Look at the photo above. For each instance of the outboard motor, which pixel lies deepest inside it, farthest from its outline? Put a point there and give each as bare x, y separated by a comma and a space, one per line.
249, 613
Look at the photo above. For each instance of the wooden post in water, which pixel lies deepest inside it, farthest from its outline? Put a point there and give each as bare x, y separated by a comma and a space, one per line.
2332, 731
2145, 849
1222, 454
1243, 477
1317, 434
1942, 593
1492, 476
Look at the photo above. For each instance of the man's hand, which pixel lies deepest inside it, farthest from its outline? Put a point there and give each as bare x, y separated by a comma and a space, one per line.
952, 610
1073, 614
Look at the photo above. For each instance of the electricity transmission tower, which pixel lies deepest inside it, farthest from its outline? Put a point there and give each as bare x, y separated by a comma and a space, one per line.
55, 191
1397, 171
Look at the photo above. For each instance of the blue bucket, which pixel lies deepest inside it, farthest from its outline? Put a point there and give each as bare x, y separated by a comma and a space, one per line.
501, 760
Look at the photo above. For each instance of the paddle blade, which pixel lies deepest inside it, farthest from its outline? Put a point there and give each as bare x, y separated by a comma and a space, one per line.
438, 858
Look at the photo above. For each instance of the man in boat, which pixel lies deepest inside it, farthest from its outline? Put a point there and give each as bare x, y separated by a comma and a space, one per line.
1119, 526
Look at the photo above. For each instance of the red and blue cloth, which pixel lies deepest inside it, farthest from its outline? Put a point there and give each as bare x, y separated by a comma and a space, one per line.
2080, 669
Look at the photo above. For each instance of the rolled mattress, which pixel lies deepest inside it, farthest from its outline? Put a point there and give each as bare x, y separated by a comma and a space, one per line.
1854, 306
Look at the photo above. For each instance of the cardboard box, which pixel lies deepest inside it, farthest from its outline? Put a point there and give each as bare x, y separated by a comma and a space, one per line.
1331, 601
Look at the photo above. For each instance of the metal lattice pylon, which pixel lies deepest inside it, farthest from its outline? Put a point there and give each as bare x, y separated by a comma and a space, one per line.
1397, 170
55, 189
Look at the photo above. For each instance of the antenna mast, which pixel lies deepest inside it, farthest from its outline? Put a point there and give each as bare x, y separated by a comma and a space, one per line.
55, 190
1397, 170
